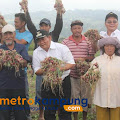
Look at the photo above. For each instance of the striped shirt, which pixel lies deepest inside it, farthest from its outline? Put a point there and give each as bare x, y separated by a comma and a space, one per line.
78, 50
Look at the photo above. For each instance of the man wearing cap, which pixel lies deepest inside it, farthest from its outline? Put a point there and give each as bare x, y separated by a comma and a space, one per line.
107, 90
11, 85
80, 50
111, 23
45, 24
22, 35
48, 48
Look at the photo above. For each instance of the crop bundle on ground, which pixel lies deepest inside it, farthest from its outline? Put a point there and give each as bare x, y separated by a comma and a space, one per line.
11, 59
52, 75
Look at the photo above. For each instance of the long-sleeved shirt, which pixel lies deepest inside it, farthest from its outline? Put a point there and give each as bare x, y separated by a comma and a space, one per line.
55, 33
108, 86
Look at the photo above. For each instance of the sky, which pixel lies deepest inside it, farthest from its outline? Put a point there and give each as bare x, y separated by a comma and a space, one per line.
12, 6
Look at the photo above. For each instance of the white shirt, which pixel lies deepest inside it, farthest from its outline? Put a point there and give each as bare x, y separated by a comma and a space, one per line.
116, 33
107, 91
56, 50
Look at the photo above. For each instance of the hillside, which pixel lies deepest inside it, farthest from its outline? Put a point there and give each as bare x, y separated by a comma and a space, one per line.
91, 18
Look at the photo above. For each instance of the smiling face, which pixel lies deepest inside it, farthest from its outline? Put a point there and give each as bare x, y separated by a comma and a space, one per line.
111, 24
76, 30
8, 38
45, 42
109, 49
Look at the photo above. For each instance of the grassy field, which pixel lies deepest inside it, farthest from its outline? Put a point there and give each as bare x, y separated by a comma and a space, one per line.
34, 113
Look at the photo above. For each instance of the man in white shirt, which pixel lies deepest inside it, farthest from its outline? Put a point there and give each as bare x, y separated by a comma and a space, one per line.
46, 49
111, 23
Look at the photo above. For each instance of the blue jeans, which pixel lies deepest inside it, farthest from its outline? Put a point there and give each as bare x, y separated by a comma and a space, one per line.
38, 86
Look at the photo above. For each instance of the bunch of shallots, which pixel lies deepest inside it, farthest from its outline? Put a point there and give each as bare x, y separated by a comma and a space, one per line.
10, 59
59, 7
92, 76
24, 4
2, 21
93, 37
81, 67
52, 76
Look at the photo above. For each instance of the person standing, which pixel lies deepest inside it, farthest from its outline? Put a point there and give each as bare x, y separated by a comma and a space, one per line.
44, 24
48, 48
23, 37
106, 95
80, 50
11, 85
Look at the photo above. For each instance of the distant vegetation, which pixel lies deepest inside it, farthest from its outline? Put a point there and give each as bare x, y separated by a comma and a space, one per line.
92, 19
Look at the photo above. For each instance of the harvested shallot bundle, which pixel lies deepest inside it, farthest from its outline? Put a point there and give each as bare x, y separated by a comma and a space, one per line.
93, 37
52, 75
24, 4
81, 67
59, 7
11, 59
92, 76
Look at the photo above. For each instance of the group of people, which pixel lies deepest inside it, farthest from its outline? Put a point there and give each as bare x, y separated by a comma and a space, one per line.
106, 95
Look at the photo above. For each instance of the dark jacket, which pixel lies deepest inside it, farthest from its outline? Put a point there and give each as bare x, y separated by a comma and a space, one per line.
55, 33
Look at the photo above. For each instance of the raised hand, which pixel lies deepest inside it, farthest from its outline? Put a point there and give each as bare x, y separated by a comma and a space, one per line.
2, 20
59, 7
24, 5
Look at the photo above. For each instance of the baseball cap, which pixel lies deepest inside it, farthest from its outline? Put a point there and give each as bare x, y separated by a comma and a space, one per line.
8, 28
41, 34
46, 21
111, 14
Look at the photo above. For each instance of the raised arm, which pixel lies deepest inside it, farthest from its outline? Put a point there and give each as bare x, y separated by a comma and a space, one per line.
59, 21
58, 27
31, 27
